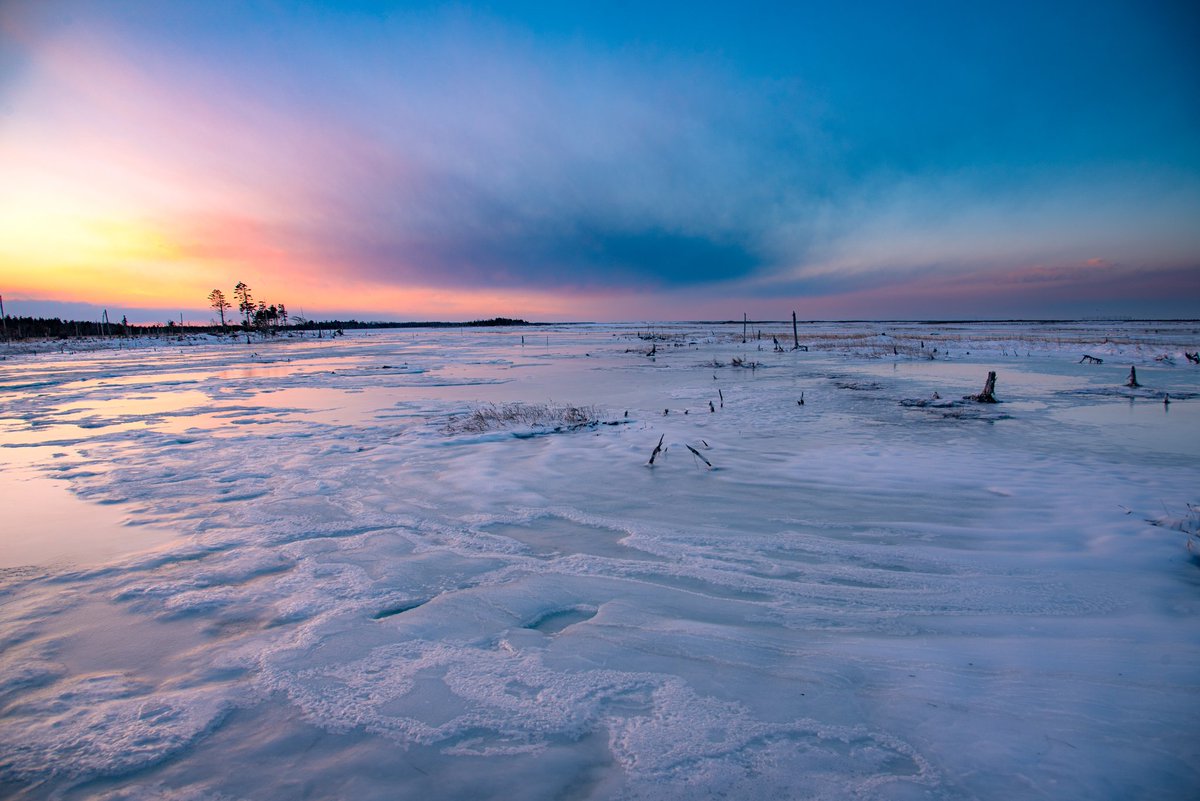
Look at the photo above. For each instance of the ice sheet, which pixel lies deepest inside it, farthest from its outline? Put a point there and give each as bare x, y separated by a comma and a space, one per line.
873, 593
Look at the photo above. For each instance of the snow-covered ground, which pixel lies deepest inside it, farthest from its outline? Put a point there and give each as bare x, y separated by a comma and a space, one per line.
283, 571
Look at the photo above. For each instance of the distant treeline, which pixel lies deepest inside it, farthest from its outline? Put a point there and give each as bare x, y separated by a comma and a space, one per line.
326, 325
56, 328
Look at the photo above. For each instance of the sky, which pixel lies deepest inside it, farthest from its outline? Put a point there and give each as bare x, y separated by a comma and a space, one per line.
601, 161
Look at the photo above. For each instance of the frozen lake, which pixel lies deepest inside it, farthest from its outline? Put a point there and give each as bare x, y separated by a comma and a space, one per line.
293, 569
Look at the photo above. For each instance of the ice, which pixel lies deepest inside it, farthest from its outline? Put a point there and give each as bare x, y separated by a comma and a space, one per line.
58, 528
273, 570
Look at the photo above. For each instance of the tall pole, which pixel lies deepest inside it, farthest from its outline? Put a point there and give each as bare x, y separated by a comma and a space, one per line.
744, 321
795, 334
3, 318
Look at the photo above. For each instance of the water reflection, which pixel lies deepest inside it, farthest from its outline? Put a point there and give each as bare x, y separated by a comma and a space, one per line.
1142, 424
45, 524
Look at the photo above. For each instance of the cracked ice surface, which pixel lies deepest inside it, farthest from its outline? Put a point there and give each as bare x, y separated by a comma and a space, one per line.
271, 572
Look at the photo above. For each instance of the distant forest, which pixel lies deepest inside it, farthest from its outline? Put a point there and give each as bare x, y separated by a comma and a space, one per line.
55, 328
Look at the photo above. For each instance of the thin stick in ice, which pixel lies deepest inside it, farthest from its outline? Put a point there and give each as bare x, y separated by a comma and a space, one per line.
657, 450
697, 454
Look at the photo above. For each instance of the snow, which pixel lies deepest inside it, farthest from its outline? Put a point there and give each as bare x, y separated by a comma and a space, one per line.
274, 570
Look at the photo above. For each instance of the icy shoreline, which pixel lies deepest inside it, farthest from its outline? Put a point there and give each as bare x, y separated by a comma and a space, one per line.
854, 596
1141, 340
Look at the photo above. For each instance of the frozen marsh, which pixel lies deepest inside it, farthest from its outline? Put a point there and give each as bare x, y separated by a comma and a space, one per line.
422, 564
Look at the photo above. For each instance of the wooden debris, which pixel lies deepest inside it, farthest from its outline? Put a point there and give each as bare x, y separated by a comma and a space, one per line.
989, 390
697, 454
1090, 360
721, 395
1132, 383
1194, 358
711, 408
657, 450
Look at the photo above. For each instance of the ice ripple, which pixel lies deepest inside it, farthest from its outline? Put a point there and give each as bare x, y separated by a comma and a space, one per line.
667, 737
102, 725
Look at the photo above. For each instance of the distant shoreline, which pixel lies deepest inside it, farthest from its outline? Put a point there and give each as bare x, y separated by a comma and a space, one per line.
21, 329
32, 329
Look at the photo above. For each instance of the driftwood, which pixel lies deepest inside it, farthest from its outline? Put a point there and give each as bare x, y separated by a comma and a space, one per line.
1132, 383
989, 390
1090, 360
1194, 358
697, 454
657, 450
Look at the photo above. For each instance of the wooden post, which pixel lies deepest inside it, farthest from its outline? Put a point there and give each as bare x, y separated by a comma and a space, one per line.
3, 318
795, 333
744, 322
1132, 383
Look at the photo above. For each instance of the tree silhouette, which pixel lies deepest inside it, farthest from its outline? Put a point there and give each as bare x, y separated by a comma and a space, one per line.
246, 302
216, 299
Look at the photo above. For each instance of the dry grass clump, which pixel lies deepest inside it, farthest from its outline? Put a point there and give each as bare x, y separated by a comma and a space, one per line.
493, 417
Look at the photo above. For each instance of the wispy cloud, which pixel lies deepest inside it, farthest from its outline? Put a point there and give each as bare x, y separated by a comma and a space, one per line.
451, 152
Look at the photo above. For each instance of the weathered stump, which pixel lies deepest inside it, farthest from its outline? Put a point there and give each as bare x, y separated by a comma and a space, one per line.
1132, 383
989, 390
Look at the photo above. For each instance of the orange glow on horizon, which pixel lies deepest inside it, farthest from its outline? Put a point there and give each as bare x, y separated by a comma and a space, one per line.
67, 252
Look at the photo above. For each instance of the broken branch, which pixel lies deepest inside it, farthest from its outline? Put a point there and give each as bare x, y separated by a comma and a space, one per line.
657, 450
697, 454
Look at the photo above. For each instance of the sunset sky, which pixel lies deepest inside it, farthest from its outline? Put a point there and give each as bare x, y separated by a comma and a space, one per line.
601, 161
